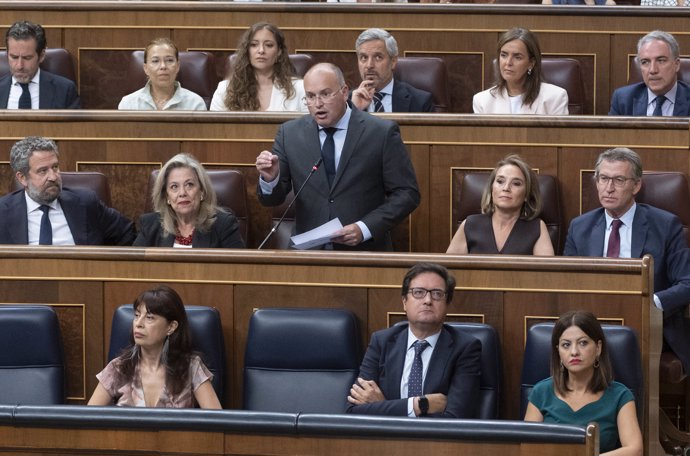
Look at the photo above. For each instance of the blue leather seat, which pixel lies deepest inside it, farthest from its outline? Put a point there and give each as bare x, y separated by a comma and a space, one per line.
301, 360
624, 352
207, 338
491, 368
32, 367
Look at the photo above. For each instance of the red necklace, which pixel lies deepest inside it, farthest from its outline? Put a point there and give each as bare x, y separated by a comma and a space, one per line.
184, 240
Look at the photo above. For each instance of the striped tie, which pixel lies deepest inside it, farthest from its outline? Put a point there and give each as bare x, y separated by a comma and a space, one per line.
378, 106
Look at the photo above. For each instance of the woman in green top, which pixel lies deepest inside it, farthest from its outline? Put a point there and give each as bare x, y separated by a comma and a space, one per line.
581, 387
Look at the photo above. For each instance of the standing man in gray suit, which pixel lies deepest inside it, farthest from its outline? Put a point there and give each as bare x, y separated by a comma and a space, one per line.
26, 86
366, 179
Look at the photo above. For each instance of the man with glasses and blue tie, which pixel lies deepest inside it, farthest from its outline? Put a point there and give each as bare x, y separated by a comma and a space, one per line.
622, 228
26, 86
421, 368
363, 175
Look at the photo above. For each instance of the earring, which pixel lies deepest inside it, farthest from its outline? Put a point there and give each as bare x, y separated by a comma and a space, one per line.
202, 197
562, 366
529, 72
596, 363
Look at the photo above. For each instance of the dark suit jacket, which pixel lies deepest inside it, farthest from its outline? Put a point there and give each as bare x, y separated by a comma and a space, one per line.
54, 92
632, 100
374, 182
410, 99
454, 370
660, 234
224, 233
90, 221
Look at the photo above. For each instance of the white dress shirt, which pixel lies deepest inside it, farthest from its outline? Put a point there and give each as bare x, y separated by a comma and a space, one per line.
407, 367
16, 92
61, 232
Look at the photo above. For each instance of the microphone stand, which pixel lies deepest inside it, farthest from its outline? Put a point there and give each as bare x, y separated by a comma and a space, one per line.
273, 230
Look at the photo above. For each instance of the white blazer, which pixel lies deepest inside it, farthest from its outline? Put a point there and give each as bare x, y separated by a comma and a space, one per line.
278, 100
552, 100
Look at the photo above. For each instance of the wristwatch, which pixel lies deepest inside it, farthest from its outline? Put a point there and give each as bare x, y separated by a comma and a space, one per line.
423, 405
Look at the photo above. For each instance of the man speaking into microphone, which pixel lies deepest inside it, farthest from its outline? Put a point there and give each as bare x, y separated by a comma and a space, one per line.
366, 178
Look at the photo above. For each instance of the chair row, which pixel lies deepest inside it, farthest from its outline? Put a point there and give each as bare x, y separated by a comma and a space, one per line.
296, 360
199, 73
666, 190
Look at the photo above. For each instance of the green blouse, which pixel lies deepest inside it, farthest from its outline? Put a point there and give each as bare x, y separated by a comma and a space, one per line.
604, 411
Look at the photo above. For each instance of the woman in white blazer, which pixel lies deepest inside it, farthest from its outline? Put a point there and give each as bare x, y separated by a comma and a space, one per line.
519, 86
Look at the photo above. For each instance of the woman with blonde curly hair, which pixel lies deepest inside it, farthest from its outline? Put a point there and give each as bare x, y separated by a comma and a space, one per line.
261, 78
186, 212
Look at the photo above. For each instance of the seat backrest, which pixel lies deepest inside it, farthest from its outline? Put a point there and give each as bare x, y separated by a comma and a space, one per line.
301, 63
635, 75
624, 352
667, 190
566, 73
281, 238
300, 360
491, 368
82, 180
57, 61
197, 73
470, 196
32, 367
230, 192
207, 338
426, 73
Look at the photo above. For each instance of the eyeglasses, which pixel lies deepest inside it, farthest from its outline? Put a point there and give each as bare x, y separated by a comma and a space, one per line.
618, 181
325, 97
420, 293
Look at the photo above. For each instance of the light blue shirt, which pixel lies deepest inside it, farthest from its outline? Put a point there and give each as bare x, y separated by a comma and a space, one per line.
386, 101
625, 232
669, 104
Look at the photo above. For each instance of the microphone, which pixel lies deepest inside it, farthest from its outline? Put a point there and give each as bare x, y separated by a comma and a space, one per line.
314, 167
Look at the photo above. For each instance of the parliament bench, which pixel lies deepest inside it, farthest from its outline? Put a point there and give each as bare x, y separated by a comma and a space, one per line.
114, 430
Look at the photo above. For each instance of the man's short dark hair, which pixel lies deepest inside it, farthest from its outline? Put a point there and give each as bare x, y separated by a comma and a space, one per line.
25, 30
421, 268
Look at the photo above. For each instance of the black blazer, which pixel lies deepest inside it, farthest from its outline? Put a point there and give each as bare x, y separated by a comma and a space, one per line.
454, 370
375, 181
90, 221
224, 233
54, 92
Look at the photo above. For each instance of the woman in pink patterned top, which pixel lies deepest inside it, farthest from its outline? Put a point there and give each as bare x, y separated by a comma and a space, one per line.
159, 368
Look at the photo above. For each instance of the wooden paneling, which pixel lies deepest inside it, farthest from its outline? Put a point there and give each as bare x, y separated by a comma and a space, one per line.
463, 34
506, 292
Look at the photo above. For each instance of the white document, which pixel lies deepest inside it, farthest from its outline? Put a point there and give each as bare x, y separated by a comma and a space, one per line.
318, 236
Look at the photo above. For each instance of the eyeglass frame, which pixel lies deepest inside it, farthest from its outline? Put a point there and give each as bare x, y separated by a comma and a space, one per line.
618, 181
441, 294
325, 98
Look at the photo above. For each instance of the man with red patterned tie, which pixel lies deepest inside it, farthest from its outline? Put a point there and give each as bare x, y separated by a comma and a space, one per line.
626, 229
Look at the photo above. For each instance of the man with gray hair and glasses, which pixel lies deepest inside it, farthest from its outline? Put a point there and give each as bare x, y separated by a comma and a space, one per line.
45, 213
622, 228
377, 55
661, 93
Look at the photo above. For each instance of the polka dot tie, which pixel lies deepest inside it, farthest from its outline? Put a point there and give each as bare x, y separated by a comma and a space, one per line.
414, 386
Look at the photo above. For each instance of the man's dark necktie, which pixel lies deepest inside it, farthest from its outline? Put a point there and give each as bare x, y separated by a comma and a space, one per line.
614, 248
659, 104
25, 98
46, 235
328, 154
378, 106
414, 385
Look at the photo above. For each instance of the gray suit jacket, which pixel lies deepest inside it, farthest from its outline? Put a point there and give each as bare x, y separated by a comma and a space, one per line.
374, 182
54, 92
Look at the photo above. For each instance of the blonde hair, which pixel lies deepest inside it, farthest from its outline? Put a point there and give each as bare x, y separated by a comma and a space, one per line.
208, 208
